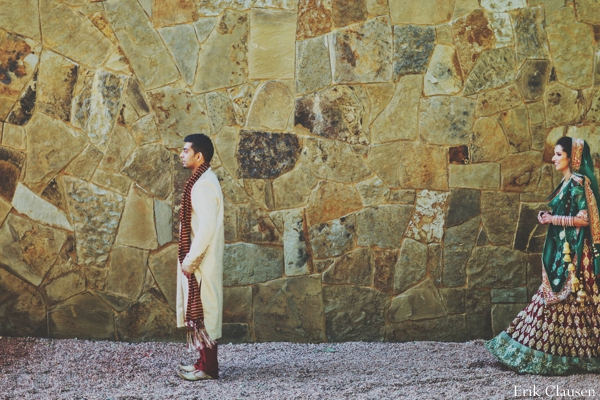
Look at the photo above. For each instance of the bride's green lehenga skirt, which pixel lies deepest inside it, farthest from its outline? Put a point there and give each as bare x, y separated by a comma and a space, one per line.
554, 339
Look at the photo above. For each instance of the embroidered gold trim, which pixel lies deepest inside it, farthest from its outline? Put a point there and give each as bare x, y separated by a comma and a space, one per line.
592, 212
576, 153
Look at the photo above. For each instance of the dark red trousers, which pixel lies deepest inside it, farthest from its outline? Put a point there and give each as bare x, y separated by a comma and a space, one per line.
208, 362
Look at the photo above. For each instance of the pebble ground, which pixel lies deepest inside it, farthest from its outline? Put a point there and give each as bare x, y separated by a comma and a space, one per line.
80, 369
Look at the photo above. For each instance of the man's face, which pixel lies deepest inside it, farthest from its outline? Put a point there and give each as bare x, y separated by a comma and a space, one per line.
189, 158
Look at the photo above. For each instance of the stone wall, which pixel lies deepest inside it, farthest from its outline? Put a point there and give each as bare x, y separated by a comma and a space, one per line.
382, 161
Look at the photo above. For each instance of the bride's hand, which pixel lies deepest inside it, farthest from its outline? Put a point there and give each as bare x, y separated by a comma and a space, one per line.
544, 217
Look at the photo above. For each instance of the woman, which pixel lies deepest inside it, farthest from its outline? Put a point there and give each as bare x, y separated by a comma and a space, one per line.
558, 333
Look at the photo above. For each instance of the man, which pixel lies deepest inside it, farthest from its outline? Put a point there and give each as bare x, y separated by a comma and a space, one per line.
200, 259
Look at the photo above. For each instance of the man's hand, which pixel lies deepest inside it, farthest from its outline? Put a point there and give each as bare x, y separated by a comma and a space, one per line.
187, 270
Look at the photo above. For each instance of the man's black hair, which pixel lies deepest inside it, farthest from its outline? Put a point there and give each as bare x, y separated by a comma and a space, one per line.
201, 143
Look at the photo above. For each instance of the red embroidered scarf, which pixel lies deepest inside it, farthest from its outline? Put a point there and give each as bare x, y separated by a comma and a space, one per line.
197, 336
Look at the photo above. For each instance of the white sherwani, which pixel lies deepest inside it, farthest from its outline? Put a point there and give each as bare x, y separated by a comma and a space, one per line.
208, 240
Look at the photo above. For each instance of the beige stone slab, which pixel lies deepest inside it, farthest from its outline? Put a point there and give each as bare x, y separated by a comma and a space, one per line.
28, 203
475, 176
51, 145
141, 43
20, 16
293, 189
203, 27
280, 4
84, 164
14, 136
272, 46
56, 79
446, 120
223, 60
111, 180
488, 142
464, 7
399, 120
502, 5
172, 12
572, 47
137, 224
5, 208
271, 108
426, 12
443, 74
183, 44
216, 7
443, 34
313, 69
72, 34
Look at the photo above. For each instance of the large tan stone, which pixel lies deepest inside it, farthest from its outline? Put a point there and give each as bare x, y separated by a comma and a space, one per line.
334, 160
51, 145
314, 18
84, 164
472, 36
530, 36
521, 172
56, 79
95, 214
563, 105
494, 68
216, 7
496, 267
294, 312
428, 12
134, 105
120, 146
65, 286
145, 130
354, 268
532, 79
443, 74
399, 120
241, 96
72, 34
373, 191
572, 46
95, 108
38, 209
144, 161
420, 302
246, 264
382, 226
28, 248
272, 107
111, 181
354, 313
475, 176
588, 11
137, 223
446, 120
221, 112
21, 17
20, 57
293, 189
181, 40
357, 60
14, 136
428, 219
272, 46
313, 68
331, 200
411, 267
458, 245
255, 225
126, 271
494, 101
418, 172
178, 113
334, 113
237, 304
163, 266
171, 12
488, 142
12, 163
500, 213
515, 124
22, 308
141, 43
148, 320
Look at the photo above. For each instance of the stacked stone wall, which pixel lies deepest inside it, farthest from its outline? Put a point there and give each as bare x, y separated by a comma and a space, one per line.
382, 161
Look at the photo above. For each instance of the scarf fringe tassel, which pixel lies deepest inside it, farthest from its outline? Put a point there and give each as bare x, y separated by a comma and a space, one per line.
197, 337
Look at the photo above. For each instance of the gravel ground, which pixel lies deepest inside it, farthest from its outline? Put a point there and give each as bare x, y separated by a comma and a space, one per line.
79, 369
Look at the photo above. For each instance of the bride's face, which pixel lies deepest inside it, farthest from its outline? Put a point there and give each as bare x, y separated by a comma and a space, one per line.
560, 159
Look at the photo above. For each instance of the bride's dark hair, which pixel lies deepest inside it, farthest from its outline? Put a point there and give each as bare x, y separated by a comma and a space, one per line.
566, 143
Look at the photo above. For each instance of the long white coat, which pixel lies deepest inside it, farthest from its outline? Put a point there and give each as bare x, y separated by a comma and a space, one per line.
208, 239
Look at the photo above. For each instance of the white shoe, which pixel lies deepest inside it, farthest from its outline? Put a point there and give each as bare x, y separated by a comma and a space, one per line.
187, 368
196, 375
